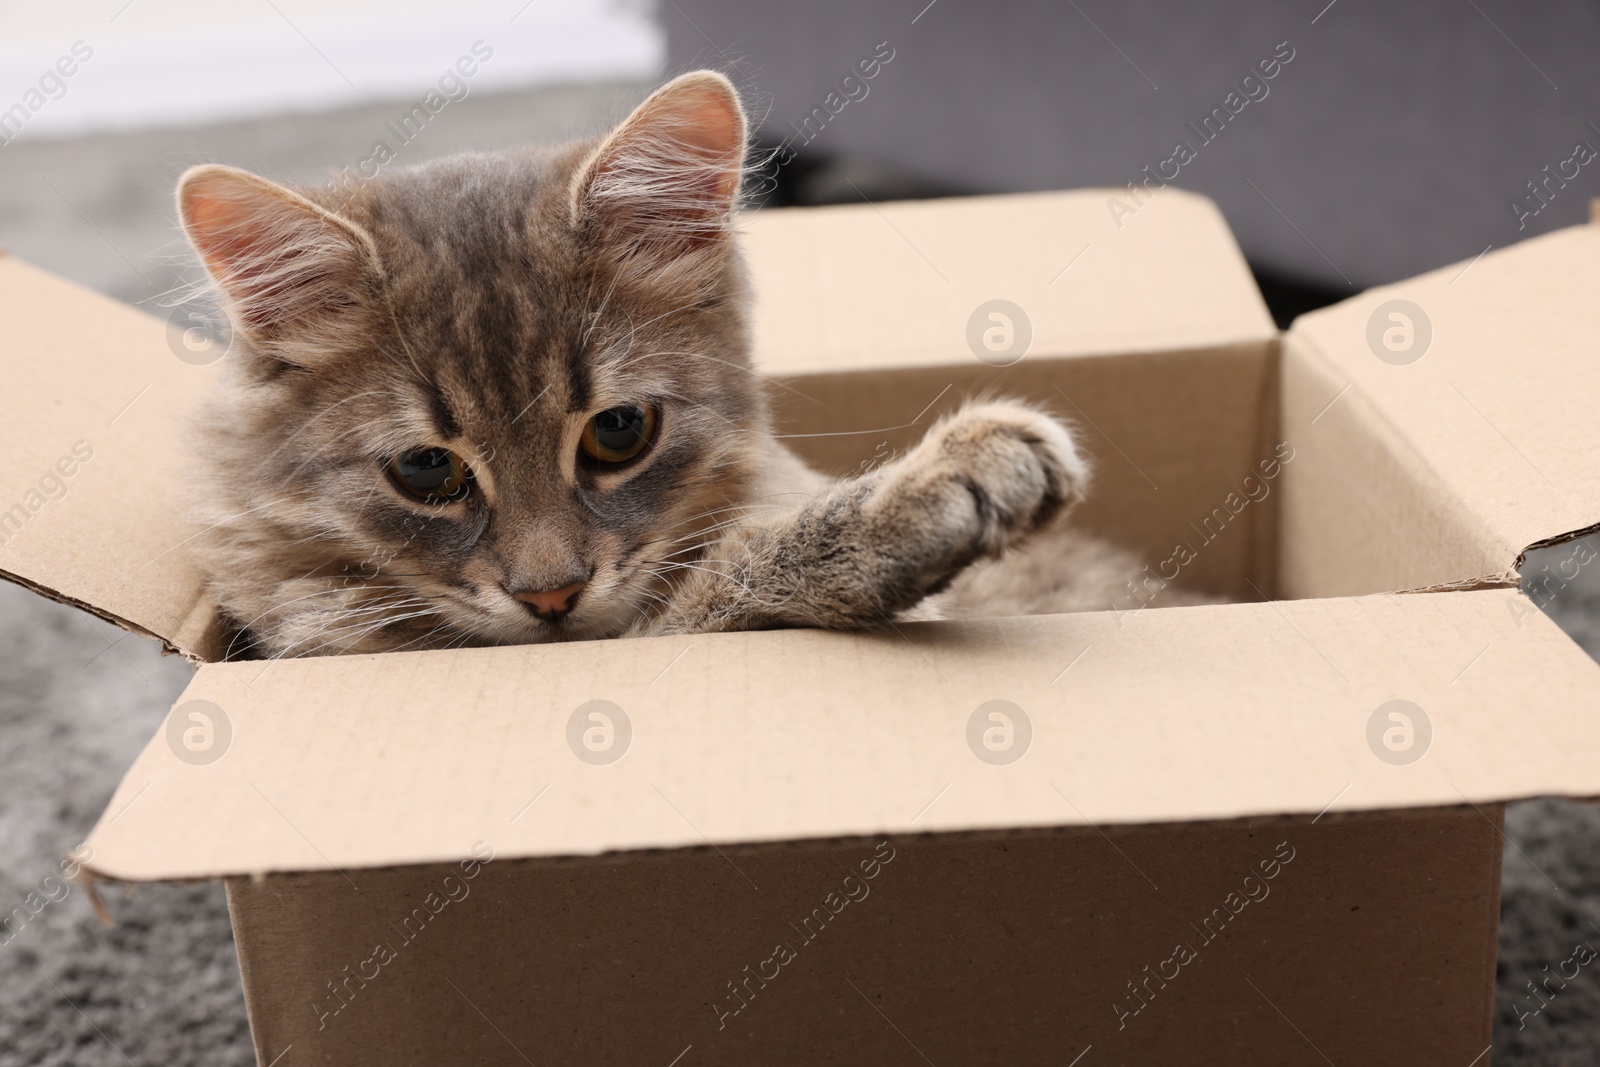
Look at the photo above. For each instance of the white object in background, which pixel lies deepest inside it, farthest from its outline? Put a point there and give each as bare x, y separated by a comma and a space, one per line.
182, 62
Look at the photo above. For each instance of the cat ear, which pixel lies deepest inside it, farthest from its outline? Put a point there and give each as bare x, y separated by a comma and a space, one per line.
292, 271
667, 180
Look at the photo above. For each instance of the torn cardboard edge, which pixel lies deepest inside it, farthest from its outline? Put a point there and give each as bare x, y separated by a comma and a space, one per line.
1551, 542
168, 648
196, 632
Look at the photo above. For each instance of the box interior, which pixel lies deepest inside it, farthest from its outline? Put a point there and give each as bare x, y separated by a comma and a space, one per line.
1185, 485
1150, 337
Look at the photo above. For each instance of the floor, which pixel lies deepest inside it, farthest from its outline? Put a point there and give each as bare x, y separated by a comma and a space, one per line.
78, 699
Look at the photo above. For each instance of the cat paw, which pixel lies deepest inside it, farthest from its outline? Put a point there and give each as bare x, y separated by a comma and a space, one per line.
981, 480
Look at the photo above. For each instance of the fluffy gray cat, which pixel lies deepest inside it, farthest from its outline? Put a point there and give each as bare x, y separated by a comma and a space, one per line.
510, 398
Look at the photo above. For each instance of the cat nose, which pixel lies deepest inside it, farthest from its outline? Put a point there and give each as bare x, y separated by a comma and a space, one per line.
551, 604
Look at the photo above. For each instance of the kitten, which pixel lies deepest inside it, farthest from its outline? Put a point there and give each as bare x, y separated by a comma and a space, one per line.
509, 398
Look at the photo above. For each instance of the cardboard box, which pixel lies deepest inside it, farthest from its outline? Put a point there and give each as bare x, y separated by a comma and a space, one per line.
1194, 834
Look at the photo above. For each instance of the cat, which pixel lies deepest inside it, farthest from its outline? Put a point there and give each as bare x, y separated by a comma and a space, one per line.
509, 398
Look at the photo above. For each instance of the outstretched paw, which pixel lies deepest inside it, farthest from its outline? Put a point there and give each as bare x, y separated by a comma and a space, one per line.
982, 480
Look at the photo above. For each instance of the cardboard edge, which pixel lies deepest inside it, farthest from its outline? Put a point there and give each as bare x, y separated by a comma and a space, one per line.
1096, 192
91, 874
1504, 580
245, 962
177, 646
787, 380
1491, 923
1558, 539
1266, 529
203, 631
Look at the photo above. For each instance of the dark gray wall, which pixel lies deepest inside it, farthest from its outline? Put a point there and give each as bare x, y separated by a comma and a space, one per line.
1393, 142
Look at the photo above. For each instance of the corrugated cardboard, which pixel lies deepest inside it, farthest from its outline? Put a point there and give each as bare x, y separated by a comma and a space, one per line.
865, 287
91, 373
1374, 944
1215, 712
1170, 749
1447, 466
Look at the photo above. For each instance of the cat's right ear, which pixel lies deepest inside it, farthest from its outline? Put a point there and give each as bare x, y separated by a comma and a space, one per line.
667, 180
292, 271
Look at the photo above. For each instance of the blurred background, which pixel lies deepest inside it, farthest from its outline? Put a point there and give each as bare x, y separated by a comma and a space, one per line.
1390, 139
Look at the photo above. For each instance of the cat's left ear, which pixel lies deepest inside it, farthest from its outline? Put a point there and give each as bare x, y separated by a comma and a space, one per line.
667, 180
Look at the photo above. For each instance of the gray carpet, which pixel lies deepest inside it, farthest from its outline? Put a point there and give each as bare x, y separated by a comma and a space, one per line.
1550, 886
78, 699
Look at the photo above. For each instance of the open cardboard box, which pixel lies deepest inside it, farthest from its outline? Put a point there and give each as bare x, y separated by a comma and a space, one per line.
1205, 833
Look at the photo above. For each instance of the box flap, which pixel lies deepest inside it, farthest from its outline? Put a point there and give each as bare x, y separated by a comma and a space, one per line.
875, 320
1146, 717
912, 283
1484, 376
93, 407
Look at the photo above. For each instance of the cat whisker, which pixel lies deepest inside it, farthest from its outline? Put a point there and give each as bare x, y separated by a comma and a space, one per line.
725, 507
422, 638
339, 615
328, 630
732, 520
737, 580
367, 628
308, 423
739, 522
692, 305
386, 608
605, 302
699, 546
285, 604
753, 372
691, 402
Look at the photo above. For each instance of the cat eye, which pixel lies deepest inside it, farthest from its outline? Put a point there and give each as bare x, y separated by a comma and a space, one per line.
432, 475
618, 434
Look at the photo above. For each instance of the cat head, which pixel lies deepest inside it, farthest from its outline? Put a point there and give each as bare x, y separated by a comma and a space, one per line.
493, 398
